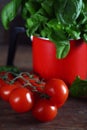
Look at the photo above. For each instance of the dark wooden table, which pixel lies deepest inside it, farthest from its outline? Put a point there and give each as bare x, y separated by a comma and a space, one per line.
72, 116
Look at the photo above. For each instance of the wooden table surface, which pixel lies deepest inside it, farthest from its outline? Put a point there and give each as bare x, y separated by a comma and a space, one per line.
72, 116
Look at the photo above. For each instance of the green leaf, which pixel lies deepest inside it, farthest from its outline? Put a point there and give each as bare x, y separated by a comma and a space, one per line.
85, 37
73, 31
9, 12
45, 32
32, 26
9, 69
32, 7
61, 42
62, 49
68, 11
47, 5
55, 24
79, 88
34, 23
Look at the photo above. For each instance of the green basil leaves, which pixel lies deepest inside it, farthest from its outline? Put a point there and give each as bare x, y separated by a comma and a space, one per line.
9, 12
57, 20
79, 88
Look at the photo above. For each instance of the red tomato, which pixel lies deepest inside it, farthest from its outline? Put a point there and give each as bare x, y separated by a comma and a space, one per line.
34, 82
44, 111
37, 97
8, 76
21, 81
6, 90
18, 83
28, 77
39, 85
2, 82
57, 90
21, 100
2, 73
34, 77
25, 78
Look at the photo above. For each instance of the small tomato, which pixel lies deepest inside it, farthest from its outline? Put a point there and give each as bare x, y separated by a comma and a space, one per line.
57, 90
21, 100
6, 90
44, 111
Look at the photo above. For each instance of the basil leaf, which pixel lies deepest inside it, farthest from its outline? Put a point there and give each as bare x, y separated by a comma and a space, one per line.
34, 23
68, 11
73, 31
61, 42
9, 69
9, 12
79, 88
62, 50
47, 5
32, 7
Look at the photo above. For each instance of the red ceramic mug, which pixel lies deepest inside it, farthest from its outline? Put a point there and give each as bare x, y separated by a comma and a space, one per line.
48, 66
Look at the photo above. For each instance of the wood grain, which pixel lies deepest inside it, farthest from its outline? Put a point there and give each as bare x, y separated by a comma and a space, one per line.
72, 116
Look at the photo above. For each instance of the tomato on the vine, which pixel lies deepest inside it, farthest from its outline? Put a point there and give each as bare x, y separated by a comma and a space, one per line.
27, 77
2, 82
39, 85
6, 90
57, 90
44, 111
33, 80
2, 73
18, 83
21, 100
8, 76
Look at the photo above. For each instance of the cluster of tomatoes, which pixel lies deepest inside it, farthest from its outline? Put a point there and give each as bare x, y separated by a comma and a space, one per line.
27, 92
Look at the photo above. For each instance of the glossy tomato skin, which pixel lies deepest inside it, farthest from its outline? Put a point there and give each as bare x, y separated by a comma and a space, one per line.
2, 83
21, 100
6, 90
44, 111
57, 90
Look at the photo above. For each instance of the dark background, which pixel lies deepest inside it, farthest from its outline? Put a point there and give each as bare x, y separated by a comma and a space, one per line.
3, 33
23, 55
